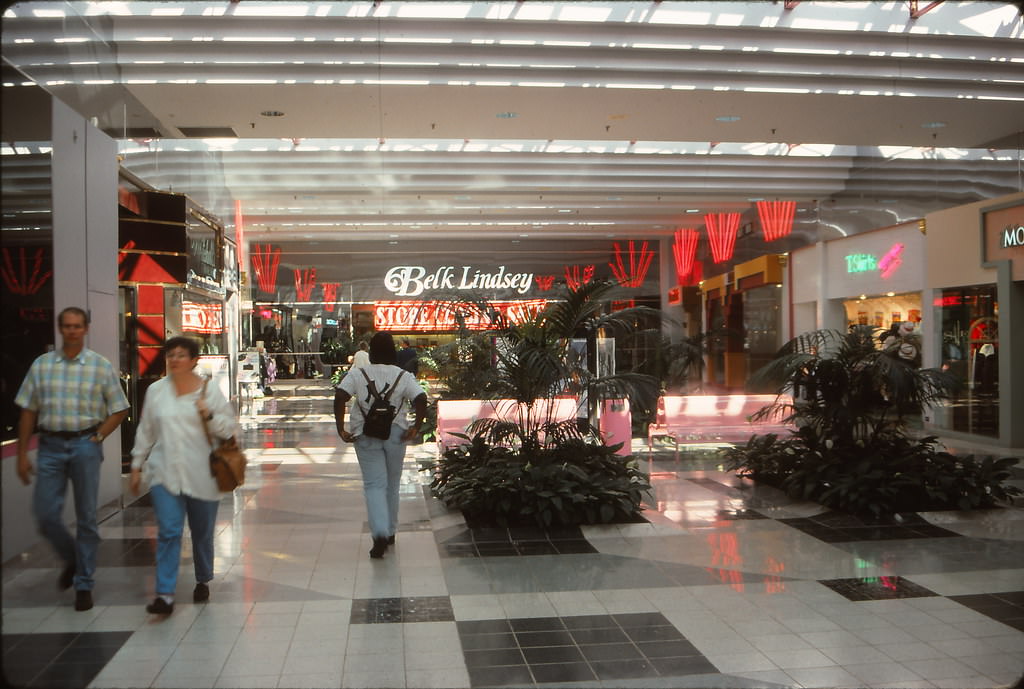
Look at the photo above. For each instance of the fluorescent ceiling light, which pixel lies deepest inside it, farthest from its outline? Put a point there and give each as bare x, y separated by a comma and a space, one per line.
269, 10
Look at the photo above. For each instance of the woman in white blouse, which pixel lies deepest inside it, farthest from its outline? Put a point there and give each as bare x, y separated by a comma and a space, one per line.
172, 446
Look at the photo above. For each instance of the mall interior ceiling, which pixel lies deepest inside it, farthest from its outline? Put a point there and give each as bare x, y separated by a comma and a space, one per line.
442, 127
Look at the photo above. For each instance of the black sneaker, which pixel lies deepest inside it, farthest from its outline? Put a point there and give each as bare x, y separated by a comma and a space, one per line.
83, 600
160, 607
379, 546
391, 539
201, 594
67, 578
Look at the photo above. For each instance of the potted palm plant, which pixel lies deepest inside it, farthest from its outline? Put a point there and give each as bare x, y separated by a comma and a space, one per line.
533, 468
850, 400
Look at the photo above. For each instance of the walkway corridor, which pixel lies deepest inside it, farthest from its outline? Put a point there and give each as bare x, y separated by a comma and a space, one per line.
725, 585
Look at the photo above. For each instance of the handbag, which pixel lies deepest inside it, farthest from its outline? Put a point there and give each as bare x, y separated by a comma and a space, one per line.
227, 461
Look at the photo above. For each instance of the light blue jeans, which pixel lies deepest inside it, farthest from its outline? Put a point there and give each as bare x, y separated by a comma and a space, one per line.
58, 460
171, 511
380, 462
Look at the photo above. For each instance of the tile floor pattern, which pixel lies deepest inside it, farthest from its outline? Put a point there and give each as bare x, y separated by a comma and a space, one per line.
724, 584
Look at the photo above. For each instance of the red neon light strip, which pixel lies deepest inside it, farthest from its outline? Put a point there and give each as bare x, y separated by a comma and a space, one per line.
330, 295
573, 278
544, 282
638, 265
722, 229
24, 283
304, 283
265, 262
776, 218
684, 249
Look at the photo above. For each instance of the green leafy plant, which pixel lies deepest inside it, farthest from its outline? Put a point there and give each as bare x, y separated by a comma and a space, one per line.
850, 400
533, 467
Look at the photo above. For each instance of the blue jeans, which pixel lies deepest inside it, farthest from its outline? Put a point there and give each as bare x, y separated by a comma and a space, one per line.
170, 518
380, 462
58, 460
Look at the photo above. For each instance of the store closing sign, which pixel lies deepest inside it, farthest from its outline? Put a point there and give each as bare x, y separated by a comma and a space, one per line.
886, 265
433, 316
202, 318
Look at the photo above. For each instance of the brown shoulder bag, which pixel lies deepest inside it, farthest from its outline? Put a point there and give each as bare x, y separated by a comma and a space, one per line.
227, 461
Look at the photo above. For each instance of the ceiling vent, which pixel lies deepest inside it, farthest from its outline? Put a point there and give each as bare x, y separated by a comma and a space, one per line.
132, 133
208, 132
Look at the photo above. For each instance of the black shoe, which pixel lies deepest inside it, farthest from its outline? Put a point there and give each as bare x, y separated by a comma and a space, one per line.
391, 539
201, 594
160, 607
83, 600
379, 546
67, 578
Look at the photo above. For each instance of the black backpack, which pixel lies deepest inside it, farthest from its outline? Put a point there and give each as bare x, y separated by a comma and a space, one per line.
377, 419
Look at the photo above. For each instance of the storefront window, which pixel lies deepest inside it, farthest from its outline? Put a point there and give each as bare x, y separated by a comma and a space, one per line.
969, 350
26, 287
762, 322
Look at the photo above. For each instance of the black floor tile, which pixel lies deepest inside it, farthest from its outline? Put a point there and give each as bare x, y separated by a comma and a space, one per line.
877, 588
468, 627
567, 649
563, 672
392, 610
494, 657
837, 527
516, 675
552, 654
58, 660
623, 669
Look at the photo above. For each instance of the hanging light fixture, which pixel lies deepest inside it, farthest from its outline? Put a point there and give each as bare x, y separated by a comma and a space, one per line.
722, 229
684, 249
776, 218
305, 280
330, 295
639, 263
265, 261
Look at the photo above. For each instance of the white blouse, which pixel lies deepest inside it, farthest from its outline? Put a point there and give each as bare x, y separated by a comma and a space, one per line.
170, 445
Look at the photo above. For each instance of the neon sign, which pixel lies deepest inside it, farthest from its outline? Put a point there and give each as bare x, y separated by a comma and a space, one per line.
412, 281
431, 316
887, 265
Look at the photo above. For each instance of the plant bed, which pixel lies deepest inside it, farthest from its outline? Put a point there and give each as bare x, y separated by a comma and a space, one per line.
569, 484
879, 476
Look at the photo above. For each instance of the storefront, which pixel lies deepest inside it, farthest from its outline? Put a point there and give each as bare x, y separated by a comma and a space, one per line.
177, 276
874, 278
744, 308
976, 281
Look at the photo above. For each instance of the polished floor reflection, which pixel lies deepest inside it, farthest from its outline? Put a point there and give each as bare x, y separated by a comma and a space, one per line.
722, 584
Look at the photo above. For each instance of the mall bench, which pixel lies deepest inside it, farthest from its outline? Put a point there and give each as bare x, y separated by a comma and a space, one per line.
456, 416
713, 418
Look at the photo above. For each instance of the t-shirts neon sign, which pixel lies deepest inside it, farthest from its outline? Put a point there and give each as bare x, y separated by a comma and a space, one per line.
886, 265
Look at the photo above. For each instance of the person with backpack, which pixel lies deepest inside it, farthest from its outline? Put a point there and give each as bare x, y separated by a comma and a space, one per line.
379, 428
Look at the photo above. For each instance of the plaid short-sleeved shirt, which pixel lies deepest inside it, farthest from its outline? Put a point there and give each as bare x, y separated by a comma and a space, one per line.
71, 394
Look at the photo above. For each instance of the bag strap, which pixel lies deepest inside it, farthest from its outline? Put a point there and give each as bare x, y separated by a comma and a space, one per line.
202, 417
373, 387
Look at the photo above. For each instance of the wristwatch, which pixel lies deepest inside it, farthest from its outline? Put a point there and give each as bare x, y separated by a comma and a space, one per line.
98, 436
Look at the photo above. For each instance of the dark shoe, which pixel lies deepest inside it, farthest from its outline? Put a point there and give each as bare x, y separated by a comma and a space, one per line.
83, 600
67, 578
160, 607
201, 594
391, 539
379, 546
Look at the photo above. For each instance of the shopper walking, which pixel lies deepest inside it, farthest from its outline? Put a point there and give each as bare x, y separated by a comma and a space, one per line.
380, 460
75, 399
361, 357
408, 358
172, 450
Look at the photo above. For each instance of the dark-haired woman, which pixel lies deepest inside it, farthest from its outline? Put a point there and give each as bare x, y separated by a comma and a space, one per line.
172, 447
380, 460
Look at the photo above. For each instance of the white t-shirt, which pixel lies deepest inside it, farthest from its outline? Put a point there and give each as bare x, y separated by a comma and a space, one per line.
384, 377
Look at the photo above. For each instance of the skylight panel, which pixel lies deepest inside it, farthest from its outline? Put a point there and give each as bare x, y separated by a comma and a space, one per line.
48, 14
411, 39
71, 39
667, 16
430, 10
260, 39
581, 13
269, 10
167, 11
154, 39
534, 11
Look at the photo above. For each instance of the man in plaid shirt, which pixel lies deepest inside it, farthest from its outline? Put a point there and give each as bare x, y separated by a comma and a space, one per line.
75, 397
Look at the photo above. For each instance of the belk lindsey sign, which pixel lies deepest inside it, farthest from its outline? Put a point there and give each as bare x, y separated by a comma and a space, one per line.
411, 281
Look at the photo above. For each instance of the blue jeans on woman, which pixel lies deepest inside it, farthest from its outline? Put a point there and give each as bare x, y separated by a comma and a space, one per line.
171, 511
380, 462
58, 460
